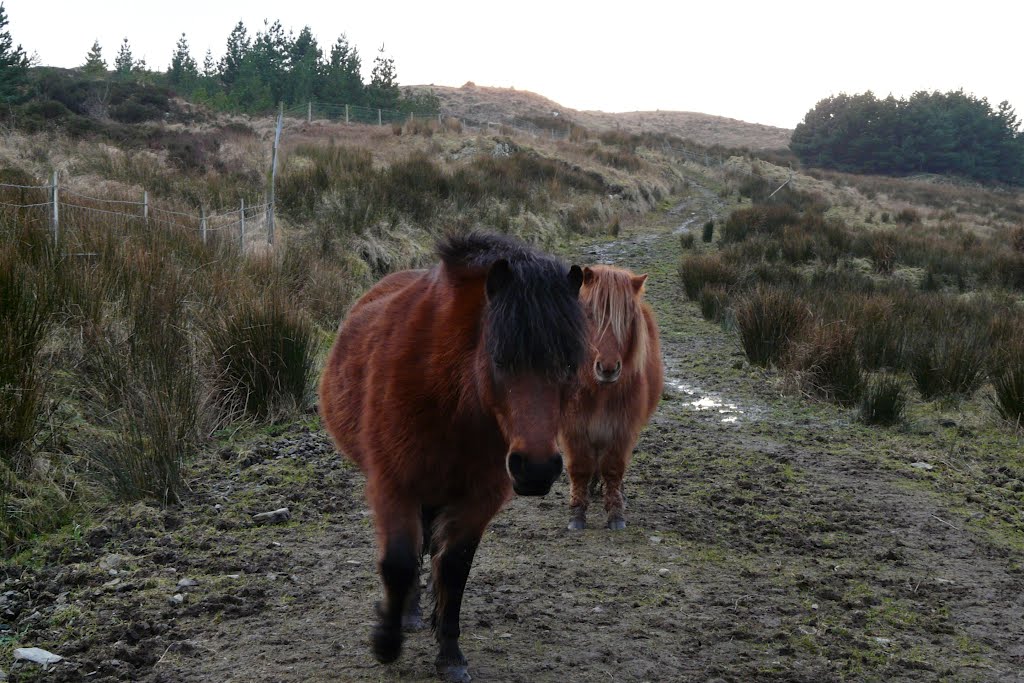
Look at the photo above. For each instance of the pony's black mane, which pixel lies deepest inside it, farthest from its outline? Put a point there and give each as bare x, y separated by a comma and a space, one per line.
534, 324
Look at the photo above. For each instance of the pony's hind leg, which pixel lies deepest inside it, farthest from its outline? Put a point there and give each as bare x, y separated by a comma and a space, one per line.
582, 469
399, 541
412, 620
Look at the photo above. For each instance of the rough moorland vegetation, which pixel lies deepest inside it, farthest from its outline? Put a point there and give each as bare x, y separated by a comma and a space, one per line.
858, 310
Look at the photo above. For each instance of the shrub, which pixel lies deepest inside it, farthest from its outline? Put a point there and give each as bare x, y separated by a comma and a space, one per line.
828, 364
882, 247
709, 231
264, 352
686, 240
948, 360
880, 332
908, 217
698, 270
1017, 239
769, 319
758, 220
713, 301
26, 304
884, 401
1008, 398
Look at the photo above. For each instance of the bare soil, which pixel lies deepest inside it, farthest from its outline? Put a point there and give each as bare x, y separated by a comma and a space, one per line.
769, 539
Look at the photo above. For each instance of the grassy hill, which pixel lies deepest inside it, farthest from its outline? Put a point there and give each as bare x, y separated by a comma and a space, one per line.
497, 105
157, 393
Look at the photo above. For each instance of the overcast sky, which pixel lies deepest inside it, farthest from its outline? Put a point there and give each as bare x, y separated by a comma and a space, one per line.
765, 62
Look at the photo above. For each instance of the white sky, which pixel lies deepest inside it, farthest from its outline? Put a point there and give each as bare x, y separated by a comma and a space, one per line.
764, 62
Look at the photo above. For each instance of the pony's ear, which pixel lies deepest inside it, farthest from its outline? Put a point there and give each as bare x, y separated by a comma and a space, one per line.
588, 275
498, 277
576, 277
638, 282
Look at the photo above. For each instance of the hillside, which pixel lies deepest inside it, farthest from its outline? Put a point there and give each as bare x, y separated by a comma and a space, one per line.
773, 534
500, 105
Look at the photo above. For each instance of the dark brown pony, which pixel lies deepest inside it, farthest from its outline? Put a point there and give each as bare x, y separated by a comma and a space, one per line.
446, 387
621, 384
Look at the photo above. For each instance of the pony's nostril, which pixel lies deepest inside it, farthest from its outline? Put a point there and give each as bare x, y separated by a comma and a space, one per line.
618, 365
516, 464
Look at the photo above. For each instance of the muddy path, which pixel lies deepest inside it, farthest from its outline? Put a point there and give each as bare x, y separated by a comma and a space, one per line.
769, 539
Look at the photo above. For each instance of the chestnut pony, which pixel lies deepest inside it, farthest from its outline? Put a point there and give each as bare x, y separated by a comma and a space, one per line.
621, 384
446, 387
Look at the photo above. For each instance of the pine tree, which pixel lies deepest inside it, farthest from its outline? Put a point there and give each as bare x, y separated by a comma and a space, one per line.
305, 67
342, 81
123, 63
270, 52
383, 90
13, 64
183, 71
209, 66
237, 49
95, 65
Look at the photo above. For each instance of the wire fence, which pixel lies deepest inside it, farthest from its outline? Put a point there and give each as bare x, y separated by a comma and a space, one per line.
67, 212
60, 208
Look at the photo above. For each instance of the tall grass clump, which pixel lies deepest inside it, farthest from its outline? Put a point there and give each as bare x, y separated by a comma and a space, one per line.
1006, 367
144, 394
687, 240
713, 299
769, 319
698, 270
948, 361
884, 401
827, 363
264, 351
27, 303
708, 231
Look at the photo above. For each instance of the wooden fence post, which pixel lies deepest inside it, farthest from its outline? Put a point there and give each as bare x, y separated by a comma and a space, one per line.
56, 208
346, 113
241, 226
309, 112
379, 123
145, 207
202, 222
273, 176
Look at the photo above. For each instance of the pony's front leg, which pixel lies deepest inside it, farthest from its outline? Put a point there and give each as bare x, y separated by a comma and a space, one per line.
581, 467
613, 470
398, 539
451, 570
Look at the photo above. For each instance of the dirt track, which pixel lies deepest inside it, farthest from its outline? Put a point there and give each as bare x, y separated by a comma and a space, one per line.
769, 539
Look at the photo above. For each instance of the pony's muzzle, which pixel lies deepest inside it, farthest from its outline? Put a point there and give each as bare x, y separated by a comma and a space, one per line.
607, 375
533, 476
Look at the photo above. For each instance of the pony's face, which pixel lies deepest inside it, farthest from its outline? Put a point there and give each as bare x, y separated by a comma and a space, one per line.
535, 343
528, 409
611, 300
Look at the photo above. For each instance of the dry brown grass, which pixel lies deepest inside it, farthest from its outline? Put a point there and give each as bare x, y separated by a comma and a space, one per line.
485, 104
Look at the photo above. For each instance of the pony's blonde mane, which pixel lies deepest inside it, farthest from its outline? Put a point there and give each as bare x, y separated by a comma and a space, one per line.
615, 305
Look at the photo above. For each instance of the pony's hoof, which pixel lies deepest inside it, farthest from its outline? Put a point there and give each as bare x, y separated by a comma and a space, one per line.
616, 523
387, 644
454, 673
413, 622
577, 523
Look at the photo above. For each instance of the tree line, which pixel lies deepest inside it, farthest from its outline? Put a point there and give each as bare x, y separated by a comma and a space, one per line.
931, 132
255, 73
